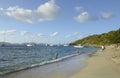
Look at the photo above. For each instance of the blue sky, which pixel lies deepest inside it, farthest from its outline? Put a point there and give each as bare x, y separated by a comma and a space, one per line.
56, 21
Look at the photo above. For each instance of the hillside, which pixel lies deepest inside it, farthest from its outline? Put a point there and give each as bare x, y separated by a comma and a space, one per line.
112, 37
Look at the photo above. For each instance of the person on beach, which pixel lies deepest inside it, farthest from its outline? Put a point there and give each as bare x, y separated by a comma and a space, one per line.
116, 45
56, 55
103, 48
78, 52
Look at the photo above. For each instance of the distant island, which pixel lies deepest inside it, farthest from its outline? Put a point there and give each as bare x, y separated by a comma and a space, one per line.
7, 44
112, 37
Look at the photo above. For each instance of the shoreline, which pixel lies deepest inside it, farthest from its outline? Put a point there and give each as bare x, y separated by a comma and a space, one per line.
103, 64
100, 64
62, 69
31, 62
40, 64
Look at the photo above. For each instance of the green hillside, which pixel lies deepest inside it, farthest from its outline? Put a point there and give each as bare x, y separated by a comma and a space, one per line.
112, 37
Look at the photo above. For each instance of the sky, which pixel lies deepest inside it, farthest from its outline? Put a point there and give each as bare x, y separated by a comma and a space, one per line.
56, 21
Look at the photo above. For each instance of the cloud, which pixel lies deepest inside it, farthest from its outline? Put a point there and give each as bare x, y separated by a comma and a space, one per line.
75, 33
42, 35
23, 33
54, 34
20, 14
32, 37
72, 35
1, 9
84, 17
48, 11
2, 32
8, 32
106, 15
78, 8
11, 32
45, 12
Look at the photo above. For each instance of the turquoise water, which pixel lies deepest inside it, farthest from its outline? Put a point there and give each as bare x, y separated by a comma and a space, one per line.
17, 58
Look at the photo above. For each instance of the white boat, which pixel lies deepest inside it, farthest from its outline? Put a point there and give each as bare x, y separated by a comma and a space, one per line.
78, 46
51, 45
66, 45
30, 45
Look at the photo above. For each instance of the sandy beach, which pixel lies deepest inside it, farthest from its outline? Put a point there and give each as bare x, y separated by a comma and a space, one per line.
101, 64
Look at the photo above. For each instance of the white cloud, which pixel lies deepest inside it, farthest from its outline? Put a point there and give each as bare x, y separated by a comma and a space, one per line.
68, 36
8, 32
1, 9
78, 8
75, 33
2, 32
20, 14
72, 35
84, 17
106, 15
11, 32
45, 12
23, 33
54, 34
32, 37
42, 35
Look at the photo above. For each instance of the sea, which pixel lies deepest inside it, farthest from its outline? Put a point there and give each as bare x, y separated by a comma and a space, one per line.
16, 58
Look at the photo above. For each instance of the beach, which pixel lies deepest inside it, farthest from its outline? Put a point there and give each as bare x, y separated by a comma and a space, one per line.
103, 64
100, 64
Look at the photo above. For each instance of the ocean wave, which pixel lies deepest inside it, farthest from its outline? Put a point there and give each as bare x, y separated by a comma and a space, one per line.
38, 64
39, 54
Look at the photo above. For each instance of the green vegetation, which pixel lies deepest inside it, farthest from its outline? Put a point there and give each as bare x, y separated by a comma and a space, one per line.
112, 37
